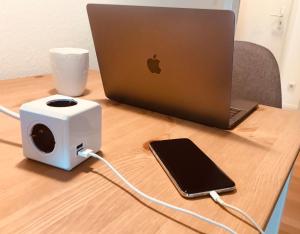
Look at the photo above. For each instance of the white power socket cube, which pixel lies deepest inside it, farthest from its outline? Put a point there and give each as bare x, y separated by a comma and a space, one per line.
56, 127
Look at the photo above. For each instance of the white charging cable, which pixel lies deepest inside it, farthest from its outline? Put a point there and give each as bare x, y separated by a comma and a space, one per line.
86, 153
9, 112
215, 196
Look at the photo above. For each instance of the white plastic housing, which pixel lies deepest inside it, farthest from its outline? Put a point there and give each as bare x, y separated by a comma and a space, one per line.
71, 126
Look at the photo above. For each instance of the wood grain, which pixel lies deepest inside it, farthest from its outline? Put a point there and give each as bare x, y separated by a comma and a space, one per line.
290, 223
36, 198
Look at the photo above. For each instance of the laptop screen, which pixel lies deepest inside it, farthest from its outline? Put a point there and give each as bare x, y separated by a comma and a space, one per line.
199, 4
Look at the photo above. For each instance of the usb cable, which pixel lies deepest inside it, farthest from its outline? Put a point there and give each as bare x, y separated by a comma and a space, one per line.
9, 112
215, 196
86, 153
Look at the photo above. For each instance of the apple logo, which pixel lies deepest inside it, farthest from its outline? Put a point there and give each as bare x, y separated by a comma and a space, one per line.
153, 64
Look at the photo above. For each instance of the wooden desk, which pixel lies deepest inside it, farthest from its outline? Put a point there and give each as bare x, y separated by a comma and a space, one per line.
36, 198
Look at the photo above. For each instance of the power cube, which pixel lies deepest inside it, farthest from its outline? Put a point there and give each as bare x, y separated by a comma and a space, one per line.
55, 128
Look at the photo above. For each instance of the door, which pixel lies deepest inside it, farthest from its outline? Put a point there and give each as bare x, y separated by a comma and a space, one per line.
265, 23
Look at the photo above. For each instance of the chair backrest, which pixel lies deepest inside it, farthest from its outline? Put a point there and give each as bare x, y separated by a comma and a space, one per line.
256, 74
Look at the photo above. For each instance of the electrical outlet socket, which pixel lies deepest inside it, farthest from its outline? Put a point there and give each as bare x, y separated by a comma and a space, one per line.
292, 85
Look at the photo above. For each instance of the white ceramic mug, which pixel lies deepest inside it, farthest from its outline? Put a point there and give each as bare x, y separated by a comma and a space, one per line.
70, 68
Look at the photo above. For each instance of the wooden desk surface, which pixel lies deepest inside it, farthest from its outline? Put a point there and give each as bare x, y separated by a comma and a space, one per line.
36, 198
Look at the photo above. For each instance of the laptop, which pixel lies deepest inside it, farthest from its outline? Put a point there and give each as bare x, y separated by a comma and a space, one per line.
176, 61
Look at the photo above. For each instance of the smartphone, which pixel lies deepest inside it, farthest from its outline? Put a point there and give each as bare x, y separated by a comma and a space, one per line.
192, 172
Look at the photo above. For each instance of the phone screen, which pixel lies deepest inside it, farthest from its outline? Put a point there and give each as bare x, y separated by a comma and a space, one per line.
192, 172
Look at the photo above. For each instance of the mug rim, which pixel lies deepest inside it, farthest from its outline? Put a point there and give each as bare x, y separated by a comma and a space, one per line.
68, 50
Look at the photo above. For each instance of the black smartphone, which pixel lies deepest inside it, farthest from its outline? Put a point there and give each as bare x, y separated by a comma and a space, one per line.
192, 172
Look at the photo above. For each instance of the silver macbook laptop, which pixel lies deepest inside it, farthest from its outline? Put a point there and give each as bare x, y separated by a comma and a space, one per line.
175, 61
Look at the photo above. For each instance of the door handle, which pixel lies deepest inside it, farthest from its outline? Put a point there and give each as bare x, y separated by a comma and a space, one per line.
278, 15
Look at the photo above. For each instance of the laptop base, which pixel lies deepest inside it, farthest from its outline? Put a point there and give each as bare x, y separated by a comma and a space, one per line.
240, 109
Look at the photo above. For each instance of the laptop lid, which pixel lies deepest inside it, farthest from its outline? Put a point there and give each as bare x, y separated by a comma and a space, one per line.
175, 61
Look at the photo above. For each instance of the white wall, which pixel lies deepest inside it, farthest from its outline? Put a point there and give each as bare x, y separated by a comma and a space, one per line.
257, 25
291, 61
30, 28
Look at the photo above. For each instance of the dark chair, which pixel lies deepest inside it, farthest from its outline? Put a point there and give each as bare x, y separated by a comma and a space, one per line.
256, 74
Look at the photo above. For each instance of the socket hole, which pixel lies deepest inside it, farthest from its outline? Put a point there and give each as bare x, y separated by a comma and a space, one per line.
43, 138
62, 103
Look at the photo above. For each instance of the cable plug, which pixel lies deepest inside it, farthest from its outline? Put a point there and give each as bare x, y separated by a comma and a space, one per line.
85, 153
215, 196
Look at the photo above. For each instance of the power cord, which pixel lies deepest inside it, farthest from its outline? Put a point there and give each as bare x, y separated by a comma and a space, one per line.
86, 153
9, 112
215, 196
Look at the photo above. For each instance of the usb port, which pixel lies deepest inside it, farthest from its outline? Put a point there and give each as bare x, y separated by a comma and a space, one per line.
79, 147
